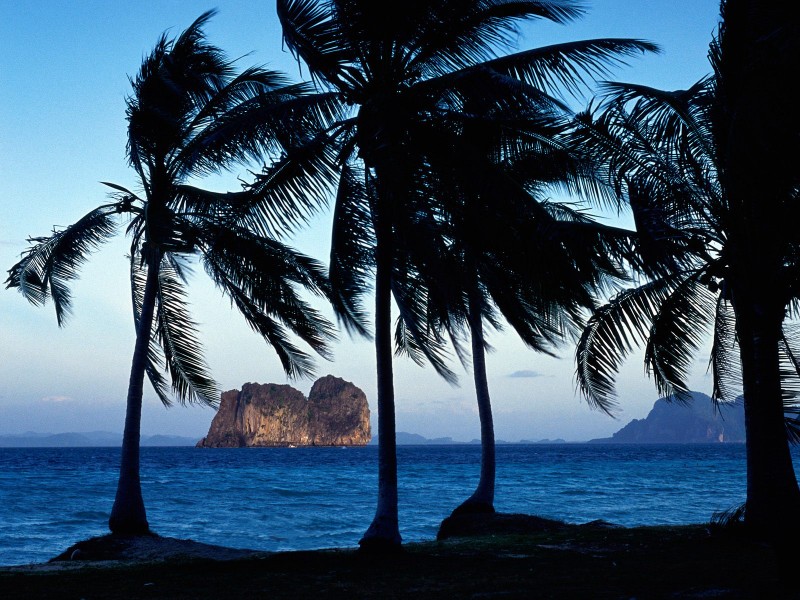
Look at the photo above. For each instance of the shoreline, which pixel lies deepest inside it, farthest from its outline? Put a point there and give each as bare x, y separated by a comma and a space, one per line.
508, 556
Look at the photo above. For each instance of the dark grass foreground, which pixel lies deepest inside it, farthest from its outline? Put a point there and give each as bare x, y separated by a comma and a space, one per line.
492, 556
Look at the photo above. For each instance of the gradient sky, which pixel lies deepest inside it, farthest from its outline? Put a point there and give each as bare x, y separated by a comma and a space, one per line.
64, 70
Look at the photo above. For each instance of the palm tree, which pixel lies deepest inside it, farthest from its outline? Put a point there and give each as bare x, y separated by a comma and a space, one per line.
711, 177
189, 115
406, 72
516, 256
518, 286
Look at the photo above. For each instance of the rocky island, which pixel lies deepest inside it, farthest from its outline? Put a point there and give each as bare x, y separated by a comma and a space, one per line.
696, 422
336, 413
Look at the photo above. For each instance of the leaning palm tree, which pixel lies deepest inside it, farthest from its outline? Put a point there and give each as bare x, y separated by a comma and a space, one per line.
513, 282
714, 194
518, 257
406, 71
189, 115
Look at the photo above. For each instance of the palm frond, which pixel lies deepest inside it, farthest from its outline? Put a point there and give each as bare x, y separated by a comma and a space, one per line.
290, 190
452, 34
352, 257
789, 353
572, 67
678, 119
311, 34
725, 361
177, 334
677, 332
423, 347
611, 334
295, 362
270, 124
260, 276
50, 263
414, 335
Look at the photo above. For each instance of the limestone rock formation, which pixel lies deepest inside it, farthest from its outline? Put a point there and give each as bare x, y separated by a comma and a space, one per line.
336, 413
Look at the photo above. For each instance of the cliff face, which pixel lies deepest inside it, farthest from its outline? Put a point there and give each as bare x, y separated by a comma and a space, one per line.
674, 423
336, 413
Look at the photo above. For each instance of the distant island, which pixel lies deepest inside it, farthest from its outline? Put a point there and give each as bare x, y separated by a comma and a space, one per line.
414, 439
672, 422
98, 439
336, 413
668, 422
90, 439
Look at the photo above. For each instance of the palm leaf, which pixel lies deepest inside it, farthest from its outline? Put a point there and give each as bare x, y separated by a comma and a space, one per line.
177, 334
290, 190
454, 34
725, 361
260, 277
51, 262
310, 33
352, 251
611, 334
676, 333
268, 124
571, 66
295, 362
789, 353
414, 336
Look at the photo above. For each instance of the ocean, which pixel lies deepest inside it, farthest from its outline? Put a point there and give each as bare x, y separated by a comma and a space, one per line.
304, 498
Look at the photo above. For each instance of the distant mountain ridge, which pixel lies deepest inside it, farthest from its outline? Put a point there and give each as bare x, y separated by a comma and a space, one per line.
667, 422
671, 422
94, 439
414, 439
404, 438
88, 439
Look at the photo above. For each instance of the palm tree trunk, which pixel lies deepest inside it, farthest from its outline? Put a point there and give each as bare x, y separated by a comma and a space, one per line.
384, 532
482, 500
773, 496
128, 515
756, 132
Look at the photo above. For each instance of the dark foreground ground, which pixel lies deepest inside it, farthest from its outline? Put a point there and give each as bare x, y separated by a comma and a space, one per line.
511, 556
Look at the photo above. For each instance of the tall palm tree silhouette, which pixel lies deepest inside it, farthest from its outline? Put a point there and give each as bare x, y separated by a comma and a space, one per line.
406, 71
516, 256
713, 191
190, 114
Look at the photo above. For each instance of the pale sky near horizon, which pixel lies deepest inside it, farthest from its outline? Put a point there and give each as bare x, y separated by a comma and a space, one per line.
64, 74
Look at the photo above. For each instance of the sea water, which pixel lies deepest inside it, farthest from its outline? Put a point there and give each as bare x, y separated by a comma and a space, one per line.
303, 498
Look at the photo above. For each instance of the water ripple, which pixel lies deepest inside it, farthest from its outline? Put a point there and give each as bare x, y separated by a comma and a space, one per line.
304, 498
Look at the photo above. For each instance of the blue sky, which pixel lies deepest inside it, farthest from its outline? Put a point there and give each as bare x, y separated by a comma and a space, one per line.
64, 73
